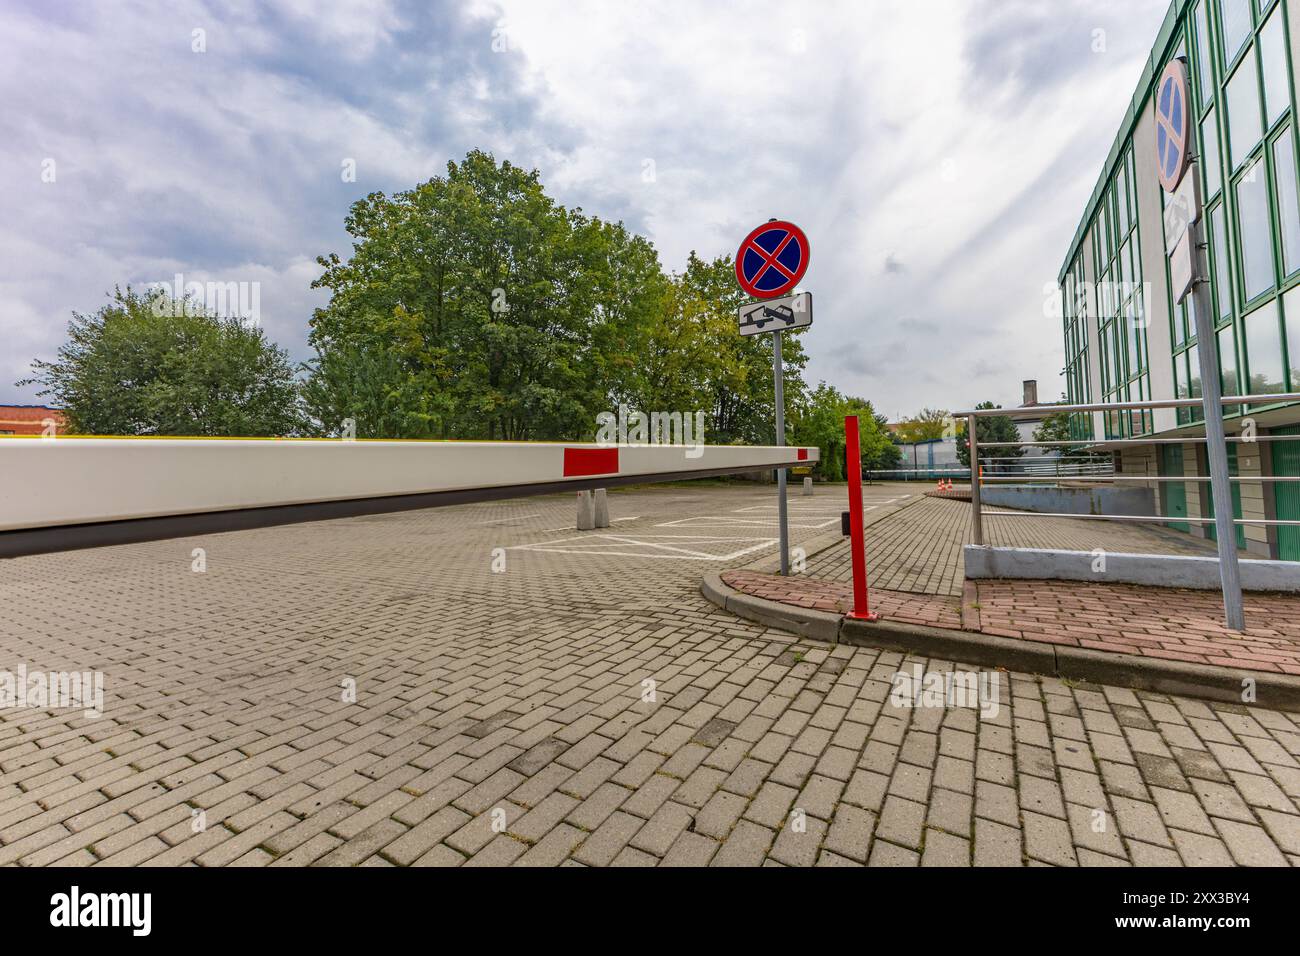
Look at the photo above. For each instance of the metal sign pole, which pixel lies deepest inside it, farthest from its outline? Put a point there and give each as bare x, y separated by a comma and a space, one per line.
1184, 227
1216, 446
778, 378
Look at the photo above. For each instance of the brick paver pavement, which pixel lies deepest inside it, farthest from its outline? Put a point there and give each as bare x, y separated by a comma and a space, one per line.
577, 707
836, 597
1168, 623
920, 548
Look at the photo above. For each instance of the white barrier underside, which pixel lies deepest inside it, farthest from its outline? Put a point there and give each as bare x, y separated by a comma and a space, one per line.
47, 483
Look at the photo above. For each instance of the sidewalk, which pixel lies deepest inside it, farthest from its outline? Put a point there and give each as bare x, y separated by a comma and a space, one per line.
919, 548
1157, 638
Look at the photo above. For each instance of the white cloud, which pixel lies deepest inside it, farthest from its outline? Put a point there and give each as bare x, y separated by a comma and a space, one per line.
957, 141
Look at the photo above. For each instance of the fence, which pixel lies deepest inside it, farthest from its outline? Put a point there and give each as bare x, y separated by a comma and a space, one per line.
1227, 544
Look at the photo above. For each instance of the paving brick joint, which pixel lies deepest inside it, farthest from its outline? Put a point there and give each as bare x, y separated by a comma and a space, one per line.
374, 691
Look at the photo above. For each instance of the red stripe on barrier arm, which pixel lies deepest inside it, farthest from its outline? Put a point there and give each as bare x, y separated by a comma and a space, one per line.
579, 462
803, 454
857, 538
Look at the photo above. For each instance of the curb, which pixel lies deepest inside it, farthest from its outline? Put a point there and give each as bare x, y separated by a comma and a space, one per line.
1276, 691
817, 625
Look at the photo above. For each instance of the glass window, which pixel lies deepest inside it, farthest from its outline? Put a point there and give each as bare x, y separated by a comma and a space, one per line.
1194, 372
1222, 279
1117, 353
1264, 351
1132, 188
1288, 203
1135, 342
1272, 54
1180, 327
1121, 200
1210, 158
1253, 228
1105, 364
1228, 361
1291, 313
1244, 125
1234, 18
1203, 66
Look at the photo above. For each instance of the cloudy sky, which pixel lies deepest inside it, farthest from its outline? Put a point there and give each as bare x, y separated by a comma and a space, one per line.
937, 154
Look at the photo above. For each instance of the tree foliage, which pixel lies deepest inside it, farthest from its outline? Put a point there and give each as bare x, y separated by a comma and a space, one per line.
820, 422
1057, 428
147, 365
927, 425
474, 306
990, 428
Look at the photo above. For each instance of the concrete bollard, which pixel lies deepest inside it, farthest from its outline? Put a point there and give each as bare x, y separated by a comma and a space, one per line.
601, 505
807, 487
586, 514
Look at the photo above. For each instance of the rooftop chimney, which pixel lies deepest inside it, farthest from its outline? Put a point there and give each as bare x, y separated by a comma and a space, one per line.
1031, 391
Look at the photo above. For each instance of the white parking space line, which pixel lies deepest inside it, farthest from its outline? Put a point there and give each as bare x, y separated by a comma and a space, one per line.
652, 545
805, 512
569, 527
722, 521
512, 518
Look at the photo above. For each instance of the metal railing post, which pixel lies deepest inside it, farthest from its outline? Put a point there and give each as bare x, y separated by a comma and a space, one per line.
977, 517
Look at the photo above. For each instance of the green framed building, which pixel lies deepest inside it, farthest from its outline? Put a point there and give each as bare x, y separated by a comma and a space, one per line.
1125, 340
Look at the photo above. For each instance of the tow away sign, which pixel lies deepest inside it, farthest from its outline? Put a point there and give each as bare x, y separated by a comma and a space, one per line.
772, 315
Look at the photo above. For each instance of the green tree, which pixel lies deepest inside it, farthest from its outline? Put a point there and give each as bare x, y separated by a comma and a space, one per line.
151, 365
820, 422
502, 314
695, 359
886, 455
927, 425
990, 428
370, 387
1057, 428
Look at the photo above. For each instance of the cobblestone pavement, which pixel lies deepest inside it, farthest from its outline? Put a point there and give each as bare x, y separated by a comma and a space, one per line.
585, 705
919, 548
1166, 623
836, 597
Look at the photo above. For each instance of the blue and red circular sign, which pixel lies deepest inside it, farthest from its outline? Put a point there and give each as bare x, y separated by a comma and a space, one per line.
772, 259
1173, 151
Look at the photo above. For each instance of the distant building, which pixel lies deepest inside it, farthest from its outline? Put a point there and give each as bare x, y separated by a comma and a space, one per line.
1028, 417
31, 420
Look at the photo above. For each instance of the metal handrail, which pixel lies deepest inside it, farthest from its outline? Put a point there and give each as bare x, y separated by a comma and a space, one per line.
1158, 519
1120, 406
1093, 442
1183, 478
978, 478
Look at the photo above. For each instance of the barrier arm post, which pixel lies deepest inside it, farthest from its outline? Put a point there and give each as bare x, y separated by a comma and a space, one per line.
857, 536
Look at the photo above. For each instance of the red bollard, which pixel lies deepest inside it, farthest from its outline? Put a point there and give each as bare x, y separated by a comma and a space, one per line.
857, 539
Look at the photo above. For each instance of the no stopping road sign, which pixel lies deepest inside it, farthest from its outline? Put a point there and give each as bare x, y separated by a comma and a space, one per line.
772, 259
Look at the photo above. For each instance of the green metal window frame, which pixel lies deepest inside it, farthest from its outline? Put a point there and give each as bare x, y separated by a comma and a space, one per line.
1078, 382
1180, 32
1230, 305
1123, 348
